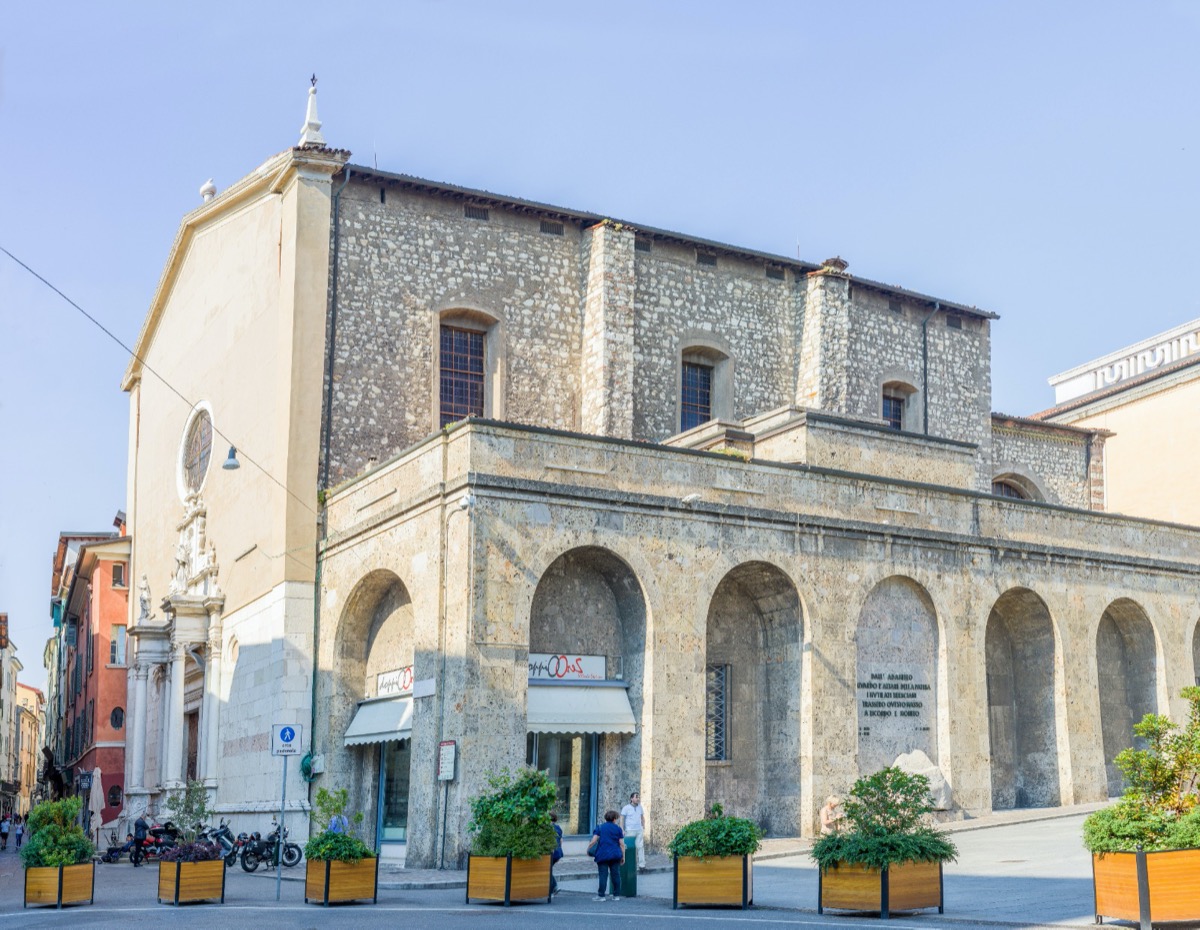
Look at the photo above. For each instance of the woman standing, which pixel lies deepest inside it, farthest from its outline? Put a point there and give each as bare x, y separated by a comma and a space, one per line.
608, 849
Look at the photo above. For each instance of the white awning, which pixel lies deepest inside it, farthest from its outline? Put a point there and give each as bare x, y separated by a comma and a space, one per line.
380, 721
579, 709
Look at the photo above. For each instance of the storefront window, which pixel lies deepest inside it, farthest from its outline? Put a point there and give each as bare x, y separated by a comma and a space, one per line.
393, 791
570, 759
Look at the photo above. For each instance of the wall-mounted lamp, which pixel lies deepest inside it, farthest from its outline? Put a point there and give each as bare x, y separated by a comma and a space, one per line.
231, 463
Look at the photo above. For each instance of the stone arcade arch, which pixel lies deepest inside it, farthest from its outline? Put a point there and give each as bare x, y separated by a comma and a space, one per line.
1127, 674
374, 638
1022, 718
589, 603
897, 680
753, 643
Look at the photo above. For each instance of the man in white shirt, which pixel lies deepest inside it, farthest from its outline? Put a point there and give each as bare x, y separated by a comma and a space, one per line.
635, 821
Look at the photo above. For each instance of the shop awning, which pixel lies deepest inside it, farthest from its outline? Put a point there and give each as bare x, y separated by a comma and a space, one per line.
579, 709
380, 721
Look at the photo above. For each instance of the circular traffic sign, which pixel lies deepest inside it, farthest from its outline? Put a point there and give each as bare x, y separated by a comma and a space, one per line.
287, 734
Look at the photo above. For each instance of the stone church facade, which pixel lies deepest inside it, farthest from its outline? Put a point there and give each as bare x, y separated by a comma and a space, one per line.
651, 512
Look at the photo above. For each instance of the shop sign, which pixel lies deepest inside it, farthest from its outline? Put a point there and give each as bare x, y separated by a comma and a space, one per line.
85, 781
544, 666
394, 683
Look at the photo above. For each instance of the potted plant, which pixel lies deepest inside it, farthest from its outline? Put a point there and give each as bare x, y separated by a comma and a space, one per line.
512, 838
58, 855
886, 857
714, 860
190, 871
341, 867
1146, 847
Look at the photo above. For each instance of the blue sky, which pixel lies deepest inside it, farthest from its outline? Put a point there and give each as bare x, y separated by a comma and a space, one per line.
1035, 159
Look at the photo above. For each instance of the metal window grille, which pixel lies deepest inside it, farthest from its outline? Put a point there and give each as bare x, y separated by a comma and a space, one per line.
697, 395
475, 213
893, 411
716, 713
551, 228
1004, 489
641, 244
462, 374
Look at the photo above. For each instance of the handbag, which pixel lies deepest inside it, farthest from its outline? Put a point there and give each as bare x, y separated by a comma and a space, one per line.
594, 844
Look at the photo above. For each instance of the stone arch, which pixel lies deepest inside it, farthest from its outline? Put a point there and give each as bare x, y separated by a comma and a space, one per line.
1023, 480
898, 667
1127, 676
374, 634
589, 602
753, 665
1020, 654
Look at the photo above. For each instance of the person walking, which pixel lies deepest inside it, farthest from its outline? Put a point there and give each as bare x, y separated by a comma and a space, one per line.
5, 826
557, 854
635, 820
19, 830
141, 830
608, 849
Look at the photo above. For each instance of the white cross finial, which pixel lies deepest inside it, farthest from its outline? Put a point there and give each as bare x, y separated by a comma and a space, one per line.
310, 132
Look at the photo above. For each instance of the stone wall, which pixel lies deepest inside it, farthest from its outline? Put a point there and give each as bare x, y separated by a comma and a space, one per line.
1056, 465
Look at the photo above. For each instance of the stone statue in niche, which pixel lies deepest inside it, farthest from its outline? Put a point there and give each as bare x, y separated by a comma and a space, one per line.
143, 600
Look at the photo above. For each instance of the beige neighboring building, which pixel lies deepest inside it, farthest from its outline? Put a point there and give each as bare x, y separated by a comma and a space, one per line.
521, 483
30, 717
1146, 397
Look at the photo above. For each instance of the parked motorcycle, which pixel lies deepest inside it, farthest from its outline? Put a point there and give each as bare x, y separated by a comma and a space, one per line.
161, 837
259, 850
223, 837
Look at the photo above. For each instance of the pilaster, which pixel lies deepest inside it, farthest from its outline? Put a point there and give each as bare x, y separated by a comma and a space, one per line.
607, 408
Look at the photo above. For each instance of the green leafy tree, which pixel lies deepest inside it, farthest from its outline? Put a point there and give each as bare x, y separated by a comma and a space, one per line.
885, 824
55, 835
188, 809
337, 840
717, 835
514, 817
1159, 808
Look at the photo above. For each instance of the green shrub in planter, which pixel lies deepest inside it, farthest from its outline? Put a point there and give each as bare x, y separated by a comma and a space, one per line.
336, 842
884, 825
717, 835
54, 836
513, 819
1160, 809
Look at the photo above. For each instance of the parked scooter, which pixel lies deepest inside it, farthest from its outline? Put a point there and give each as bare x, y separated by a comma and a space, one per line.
222, 836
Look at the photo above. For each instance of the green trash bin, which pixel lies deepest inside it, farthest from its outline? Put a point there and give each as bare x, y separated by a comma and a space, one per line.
629, 869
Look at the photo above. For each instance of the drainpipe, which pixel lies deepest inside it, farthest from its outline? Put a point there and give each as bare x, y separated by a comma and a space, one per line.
925, 367
306, 770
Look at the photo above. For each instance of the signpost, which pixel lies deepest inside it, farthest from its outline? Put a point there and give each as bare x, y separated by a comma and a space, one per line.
286, 739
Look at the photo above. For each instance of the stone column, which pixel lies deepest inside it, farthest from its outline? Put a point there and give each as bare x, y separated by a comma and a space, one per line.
212, 704
137, 766
607, 404
173, 771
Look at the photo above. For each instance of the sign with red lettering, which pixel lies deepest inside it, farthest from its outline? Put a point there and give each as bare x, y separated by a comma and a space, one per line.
394, 683
562, 667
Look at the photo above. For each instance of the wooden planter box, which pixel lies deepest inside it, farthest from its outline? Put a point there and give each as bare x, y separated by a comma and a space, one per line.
1147, 886
59, 885
717, 881
327, 881
503, 878
189, 882
909, 886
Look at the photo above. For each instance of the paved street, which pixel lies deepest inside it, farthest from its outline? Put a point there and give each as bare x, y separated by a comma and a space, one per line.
1013, 875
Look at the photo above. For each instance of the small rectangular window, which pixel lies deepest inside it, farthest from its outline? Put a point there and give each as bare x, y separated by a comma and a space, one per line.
706, 258
118, 574
475, 213
462, 375
551, 228
116, 645
696, 407
893, 411
641, 244
716, 713
895, 306
954, 322
774, 273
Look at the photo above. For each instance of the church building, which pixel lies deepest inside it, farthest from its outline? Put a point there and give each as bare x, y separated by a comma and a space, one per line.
524, 484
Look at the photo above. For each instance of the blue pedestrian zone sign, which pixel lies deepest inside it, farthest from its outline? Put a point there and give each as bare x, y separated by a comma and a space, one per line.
286, 739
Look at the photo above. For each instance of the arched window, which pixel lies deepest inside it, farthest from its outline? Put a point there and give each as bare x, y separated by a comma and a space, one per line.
1008, 489
897, 406
705, 382
470, 366
117, 718
1016, 486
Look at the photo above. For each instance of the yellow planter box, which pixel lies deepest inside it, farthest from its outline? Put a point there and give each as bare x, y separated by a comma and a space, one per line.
60, 885
715, 881
190, 882
329, 882
503, 878
1147, 886
909, 886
